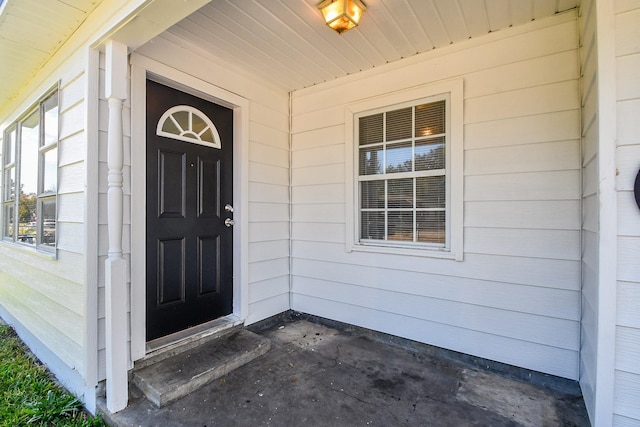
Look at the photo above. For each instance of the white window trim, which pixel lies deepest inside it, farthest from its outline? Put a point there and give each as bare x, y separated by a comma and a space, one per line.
454, 249
186, 133
39, 248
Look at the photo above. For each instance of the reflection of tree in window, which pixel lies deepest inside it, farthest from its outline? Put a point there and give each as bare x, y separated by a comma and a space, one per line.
30, 169
27, 207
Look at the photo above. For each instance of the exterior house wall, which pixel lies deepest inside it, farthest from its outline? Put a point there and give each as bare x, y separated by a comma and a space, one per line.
627, 344
516, 296
268, 187
41, 295
590, 210
268, 192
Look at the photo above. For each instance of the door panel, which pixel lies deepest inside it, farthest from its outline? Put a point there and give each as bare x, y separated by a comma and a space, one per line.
172, 184
209, 278
208, 188
189, 248
171, 259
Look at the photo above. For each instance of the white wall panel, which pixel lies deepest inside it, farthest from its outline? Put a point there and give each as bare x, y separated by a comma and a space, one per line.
590, 267
553, 273
522, 193
267, 190
538, 357
546, 156
44, 293
627, 377
628, 303
556, 185
560, 126
627, 124
557, 215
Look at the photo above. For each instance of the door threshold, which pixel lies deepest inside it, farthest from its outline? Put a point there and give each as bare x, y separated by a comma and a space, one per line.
170, 345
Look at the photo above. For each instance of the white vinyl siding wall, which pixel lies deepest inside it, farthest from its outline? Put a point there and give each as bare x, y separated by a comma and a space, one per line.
590, 209
627, 368
268, 190
44, 294
516, 296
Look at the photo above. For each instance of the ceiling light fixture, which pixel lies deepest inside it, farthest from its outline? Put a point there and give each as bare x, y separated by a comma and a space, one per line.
342, 15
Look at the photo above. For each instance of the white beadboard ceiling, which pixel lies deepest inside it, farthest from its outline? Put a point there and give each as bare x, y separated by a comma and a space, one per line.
286, 41
31, 31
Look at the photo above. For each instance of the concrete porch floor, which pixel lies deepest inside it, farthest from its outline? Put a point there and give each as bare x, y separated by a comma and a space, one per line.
318, 375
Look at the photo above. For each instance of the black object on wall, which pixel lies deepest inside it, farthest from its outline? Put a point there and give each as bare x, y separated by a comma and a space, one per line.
636, 189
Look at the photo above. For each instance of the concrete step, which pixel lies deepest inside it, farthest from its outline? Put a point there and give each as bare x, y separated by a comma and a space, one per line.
179, 375
183, 341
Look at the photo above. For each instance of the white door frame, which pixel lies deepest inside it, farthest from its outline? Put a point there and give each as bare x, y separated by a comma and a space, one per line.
142, 68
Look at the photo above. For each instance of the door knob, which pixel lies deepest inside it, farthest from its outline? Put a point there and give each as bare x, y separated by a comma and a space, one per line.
229, 222
228, 208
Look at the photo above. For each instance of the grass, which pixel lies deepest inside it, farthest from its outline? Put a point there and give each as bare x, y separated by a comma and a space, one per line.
29, 396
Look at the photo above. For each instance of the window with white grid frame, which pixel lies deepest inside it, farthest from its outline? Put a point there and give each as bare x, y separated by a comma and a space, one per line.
30, 177
403, 174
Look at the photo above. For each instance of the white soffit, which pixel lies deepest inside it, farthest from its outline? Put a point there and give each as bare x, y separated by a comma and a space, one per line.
31, 31
287, 42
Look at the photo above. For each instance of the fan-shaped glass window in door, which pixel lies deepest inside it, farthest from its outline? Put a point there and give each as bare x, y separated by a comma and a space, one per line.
188, 124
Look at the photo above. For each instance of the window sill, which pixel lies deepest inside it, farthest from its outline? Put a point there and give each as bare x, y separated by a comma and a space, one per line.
416, 252
31, 250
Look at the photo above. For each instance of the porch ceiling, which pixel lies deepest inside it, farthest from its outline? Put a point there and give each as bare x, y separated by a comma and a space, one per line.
31, 31
287, 42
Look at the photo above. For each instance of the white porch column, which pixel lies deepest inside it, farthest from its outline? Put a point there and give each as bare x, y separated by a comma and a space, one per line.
115, 265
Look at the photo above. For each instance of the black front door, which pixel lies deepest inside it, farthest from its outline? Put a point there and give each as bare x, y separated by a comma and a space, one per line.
189, 197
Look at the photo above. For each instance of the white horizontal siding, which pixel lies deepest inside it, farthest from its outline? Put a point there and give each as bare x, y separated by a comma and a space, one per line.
268, 175
519, 284
538, 300
627, 356
554, 185
496, 347
590, 211
46, 294
557, 126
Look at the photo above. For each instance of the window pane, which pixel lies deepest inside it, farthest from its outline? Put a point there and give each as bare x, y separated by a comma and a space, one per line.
10, 147
197, 124
182, 117
372, 194
370, 129
401, 226
50, 181
170, 127
399, 124
9, 223
430, 192
48, 210
431, 227
207, 136
430, 119
370, 161
27, 218
51, 120
372, 225
430, 154
10, 184
399, 157
400, 193
30, 141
